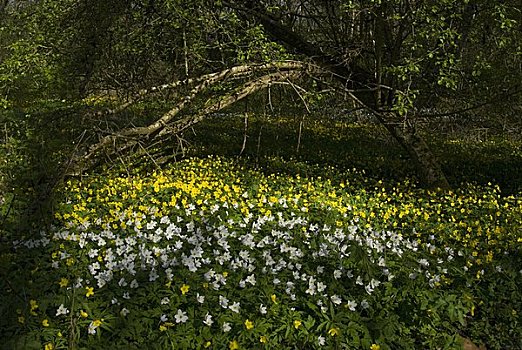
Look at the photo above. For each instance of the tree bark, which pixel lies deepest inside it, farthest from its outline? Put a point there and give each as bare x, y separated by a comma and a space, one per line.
426, 163
428, 167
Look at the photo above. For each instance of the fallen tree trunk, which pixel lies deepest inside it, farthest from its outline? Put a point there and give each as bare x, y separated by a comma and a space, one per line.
125, 140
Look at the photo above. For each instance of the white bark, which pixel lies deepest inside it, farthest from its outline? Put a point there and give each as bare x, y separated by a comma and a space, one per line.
126, 139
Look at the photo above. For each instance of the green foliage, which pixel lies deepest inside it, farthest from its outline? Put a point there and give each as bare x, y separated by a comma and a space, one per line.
418, 268
33, 153
25, 65
70, 49
432, 49
259, 48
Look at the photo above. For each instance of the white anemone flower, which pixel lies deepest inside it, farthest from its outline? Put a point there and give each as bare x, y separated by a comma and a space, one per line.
208, 320
321, 340
62, 310
181, 316
223, 302
235, 307
200, 298
350, 304
335, 299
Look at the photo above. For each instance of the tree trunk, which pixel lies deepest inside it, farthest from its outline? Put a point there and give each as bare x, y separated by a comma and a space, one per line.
428, 167
363, 86
127, 139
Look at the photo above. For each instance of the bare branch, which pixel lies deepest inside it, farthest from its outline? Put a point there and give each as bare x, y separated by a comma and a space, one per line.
244, 91
495, 99
165, 125
234, 72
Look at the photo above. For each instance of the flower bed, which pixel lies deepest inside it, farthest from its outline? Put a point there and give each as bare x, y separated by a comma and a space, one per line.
211, 254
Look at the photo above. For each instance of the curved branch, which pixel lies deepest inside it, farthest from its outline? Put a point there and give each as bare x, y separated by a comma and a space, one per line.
247, 89
161, 127
235, 72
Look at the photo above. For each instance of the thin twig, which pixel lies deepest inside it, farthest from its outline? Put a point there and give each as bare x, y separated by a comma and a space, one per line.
299, 135
476, 106
258, 145
295, 87
148, 154
244, 135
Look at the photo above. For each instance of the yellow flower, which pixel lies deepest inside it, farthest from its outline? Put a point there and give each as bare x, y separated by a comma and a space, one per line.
297, 324
34, 306
184, 289
90, 291
96, 323
64, 282
263, 339
249, 324
274, 298
207, 344
21, 319
49, 346
45, 323
83, 314
375, 347
333, 332
163, 327
233, 345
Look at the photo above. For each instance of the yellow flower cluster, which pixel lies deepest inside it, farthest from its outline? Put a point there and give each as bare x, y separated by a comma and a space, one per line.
475, 225
478, 219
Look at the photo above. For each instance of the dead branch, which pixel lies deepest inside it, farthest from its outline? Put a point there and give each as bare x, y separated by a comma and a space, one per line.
247, 89
165, 124
234, 72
